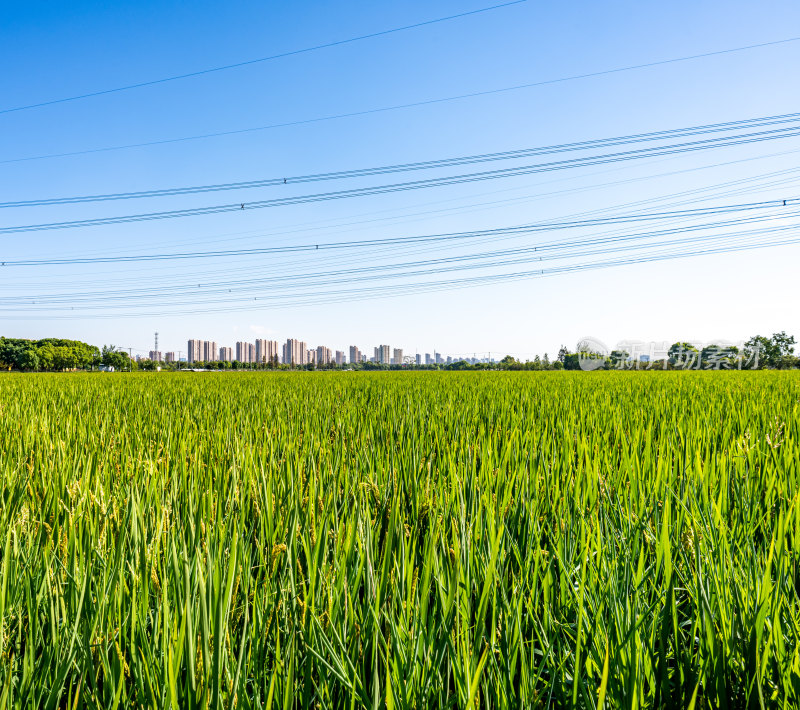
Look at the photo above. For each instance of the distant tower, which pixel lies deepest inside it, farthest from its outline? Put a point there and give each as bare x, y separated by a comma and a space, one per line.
156, 347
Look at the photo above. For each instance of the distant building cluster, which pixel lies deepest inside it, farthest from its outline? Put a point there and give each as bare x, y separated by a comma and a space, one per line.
297, 353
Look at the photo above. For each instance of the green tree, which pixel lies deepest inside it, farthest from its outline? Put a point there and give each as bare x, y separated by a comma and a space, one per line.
46, 356
782, 350
11, 352
64, 358
113, 357
775, 351
571, 361
28, 360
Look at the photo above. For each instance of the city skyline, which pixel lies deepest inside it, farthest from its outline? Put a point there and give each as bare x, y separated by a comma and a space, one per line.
297, 353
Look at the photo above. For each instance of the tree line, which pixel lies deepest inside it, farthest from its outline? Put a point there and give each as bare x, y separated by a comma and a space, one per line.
48, 354
59, 355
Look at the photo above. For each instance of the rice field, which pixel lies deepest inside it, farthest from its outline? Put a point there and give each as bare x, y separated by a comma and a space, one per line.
399, 540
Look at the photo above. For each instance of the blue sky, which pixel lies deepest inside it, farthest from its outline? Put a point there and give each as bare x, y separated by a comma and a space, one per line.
52, 50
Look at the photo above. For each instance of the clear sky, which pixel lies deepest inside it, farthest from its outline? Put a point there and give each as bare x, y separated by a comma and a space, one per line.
54, 50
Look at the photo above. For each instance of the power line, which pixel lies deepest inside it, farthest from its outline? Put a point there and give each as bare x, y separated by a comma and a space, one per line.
397, 107
493, 204
326, 295
620, 241
719, 142
482, 260
450, 236
368, 253
406, 289
419, 165
228, 270
259, 60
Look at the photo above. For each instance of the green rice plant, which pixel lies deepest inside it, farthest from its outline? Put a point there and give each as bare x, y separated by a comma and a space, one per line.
400, 540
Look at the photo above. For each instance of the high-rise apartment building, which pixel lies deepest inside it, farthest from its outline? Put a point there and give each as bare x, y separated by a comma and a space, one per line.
340, 357
226, 354
155, 355
323, 355
245, 352
170, 357
294, 352
382, 355
209, 351
194, 352
428, 360
266, 351
355, 354
419, 359
201, 350
438, 358
397, 356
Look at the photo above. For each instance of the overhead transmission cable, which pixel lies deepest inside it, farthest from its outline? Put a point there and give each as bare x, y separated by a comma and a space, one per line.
373, 292
591, 245
713, 191
718, 142
724, 127
382, 252
259, 60
396, 107
448, 236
